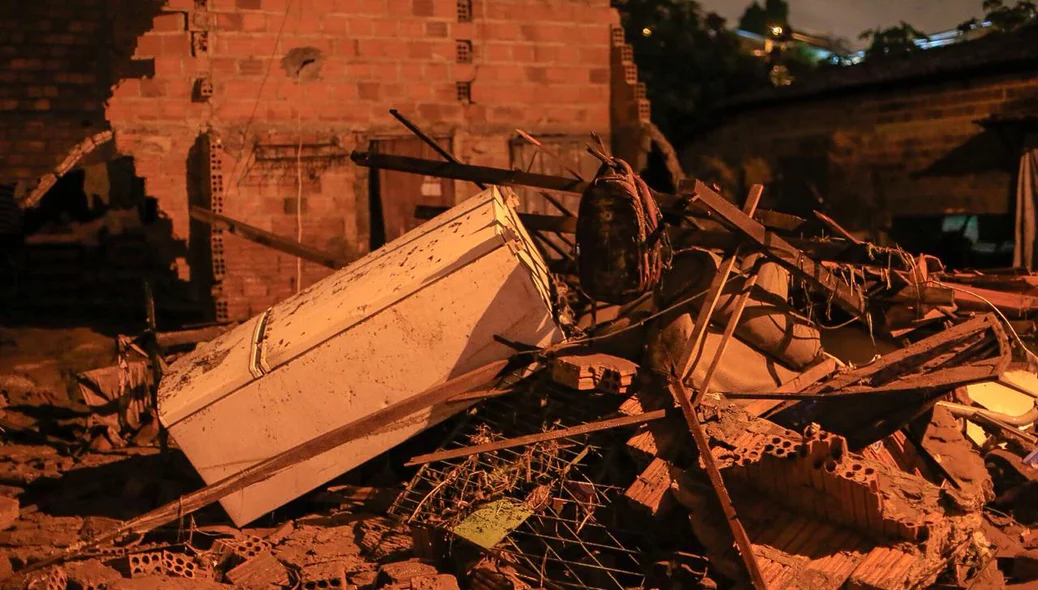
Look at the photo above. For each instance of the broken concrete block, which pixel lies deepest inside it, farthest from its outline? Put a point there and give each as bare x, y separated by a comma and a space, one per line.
90, 575
404, 571
250, 547
323, 575
431, 305
380, 542
260, 571
145, 564
586, 372
54, 578
363, 579
437, 582
181, 566
8, 512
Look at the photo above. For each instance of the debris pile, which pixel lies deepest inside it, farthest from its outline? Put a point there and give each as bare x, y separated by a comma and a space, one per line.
694, 394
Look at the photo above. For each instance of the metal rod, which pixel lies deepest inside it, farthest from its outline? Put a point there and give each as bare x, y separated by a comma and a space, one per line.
430, 141
265, 238
549, 152
540, 437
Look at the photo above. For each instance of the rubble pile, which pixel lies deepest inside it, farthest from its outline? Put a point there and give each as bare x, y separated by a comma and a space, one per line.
660, 391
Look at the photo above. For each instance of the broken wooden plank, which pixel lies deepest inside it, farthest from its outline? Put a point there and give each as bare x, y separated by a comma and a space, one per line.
776, 248
530, 439
912, 356
268, 239
681, 394
836, 228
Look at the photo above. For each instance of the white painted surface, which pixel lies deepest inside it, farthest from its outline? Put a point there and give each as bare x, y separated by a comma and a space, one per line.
404, 318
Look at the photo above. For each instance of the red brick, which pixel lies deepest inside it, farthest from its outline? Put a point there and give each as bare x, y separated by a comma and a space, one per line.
224, 65
502, 31
230, 21
368, 91
361, 26
254, 21
344, 47
543, 53
522, 53
169, 66
335, 24
248, 4
436, 72
169, 22
151, 88
419, 50
176, 45
495, 51
252, 67
537, 75
436, 29
422, 7
599, 76
385, 27
411, 28
147, 46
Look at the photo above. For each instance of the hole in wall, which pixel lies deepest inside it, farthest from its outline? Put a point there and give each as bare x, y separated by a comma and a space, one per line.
303, 63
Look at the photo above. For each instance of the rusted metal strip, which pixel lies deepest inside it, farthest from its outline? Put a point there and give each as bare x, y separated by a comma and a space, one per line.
776, 248
265, 238
742, 540
539, 437
836, 228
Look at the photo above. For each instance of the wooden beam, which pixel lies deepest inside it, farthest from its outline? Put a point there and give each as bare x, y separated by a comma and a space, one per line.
906, 359
479, 174
742, 540
265, 238
776, 248
530, 439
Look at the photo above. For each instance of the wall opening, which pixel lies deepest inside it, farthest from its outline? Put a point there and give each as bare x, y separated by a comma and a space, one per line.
84, 253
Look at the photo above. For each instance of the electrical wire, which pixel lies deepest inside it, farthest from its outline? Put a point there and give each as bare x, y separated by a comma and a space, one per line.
1030, 355
259, 92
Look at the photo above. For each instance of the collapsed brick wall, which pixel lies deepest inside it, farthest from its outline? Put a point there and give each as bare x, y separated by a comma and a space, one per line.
269, 80
875, 154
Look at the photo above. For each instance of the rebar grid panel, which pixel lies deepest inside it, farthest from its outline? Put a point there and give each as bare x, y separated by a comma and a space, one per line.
565, 544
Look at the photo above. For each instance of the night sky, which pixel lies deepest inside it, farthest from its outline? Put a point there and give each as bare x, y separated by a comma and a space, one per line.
848, 18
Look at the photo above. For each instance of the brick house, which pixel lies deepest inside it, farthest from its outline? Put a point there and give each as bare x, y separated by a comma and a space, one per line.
251, 108
910, 151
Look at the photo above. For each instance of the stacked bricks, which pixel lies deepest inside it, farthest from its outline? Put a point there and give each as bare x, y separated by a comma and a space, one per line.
878, 153
629, 107
164, 76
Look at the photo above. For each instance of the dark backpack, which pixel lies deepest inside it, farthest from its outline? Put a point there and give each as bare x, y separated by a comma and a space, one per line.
621, 245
